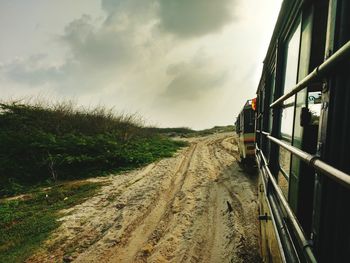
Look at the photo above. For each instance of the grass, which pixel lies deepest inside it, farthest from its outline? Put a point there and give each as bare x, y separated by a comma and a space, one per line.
42, 143
25, 224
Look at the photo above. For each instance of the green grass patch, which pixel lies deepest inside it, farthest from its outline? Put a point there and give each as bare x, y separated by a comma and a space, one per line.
40, 144
25, 224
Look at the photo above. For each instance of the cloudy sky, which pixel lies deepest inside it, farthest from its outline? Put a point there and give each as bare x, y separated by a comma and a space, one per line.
186, 63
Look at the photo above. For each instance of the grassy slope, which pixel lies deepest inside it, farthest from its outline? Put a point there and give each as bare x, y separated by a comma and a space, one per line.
39, 144
50, 146
24, 224
42, 145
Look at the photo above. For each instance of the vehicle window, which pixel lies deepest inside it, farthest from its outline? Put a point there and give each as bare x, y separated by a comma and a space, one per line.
287, 123
287, 119
292, 58
249, 121
290, 79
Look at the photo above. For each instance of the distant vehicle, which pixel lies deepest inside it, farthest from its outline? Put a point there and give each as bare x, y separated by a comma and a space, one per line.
245, 129
303, 134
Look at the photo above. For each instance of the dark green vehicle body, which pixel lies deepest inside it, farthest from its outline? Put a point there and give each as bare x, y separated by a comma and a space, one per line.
303, 132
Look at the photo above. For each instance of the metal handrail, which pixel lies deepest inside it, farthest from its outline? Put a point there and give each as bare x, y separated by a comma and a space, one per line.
284, 173
314, 161
299, 231
317, 73
274, 223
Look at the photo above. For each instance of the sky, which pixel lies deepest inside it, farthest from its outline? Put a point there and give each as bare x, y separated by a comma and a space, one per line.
176, 63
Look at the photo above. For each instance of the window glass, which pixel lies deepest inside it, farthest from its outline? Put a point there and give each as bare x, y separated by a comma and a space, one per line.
290, 79
287, 118
287, 123
283, 184
298, 192
305, 48
292, 58
271, 99
238, 125
314, 105
249, 120
284, 160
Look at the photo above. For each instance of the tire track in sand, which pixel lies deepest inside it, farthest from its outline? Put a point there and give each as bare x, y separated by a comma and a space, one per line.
141, 232
216, 246
173, 211
234, 198
206, 232
236, 183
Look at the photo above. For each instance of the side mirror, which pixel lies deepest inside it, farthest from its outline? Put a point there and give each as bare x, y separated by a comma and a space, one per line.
305, 117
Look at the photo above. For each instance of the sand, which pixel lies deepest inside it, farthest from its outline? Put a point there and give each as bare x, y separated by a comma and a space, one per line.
198, 206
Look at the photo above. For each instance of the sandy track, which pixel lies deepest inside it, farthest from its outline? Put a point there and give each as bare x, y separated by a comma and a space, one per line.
175, 210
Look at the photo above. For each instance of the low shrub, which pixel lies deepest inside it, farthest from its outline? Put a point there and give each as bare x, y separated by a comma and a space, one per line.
40, 144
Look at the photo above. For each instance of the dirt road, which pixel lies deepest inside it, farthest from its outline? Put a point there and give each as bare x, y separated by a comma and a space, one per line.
198, 206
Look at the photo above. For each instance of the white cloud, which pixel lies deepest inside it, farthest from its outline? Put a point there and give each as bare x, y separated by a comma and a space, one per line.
179, 63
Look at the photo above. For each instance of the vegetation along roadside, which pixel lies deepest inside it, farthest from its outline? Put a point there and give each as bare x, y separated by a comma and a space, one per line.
45, 151
26, 222
41, 144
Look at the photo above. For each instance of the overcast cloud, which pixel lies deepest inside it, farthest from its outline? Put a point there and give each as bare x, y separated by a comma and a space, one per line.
192, 80
176, 62
198, 17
